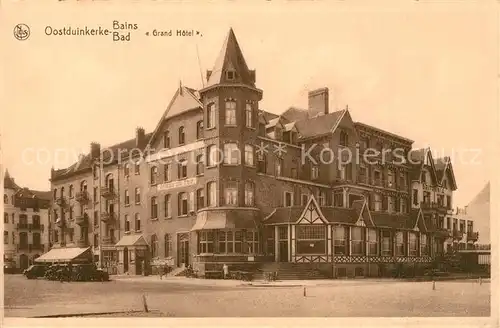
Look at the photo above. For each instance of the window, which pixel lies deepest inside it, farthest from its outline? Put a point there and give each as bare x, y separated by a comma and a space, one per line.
154, 246
137, 168
199, 130
377, 202
168, 206
342, 172
231, 154
5, 218
288, 199
71, 212
70, 191
424, 248
137, 222
126, 170
357, 241
304, 199
314, 172
182, 169
230, 75
344, 139
96, 198
127, 223
386, 243
210, 116
154, 174
183, 204
206, 242
248, 115
311, 239
137, 195
249, 155
362, 174
415, 197
200, 198
372, 242
168, 245
249, 194
166, 172
5, 237
211, 194
413, 244
338, 199
231, 193
5, 199
126, 197
96, 239
238, 241
154, 208
402, 181
13, 238
404, 208
212, 155
200, 167
322, 198
391, 204
222, 241
261, 162
390, 179
252, 241
14, 218
182, 137
230, 112
166, 140
400, 244
278, 167
377, 178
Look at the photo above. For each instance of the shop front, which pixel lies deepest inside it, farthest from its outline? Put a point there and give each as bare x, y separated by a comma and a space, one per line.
133, 255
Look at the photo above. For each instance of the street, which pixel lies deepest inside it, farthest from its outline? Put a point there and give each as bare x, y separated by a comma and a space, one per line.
197, 298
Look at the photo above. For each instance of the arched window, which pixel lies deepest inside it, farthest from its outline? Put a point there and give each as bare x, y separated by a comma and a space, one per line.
126, 170
199, 164
70, 191
168, 207
137, 222
182, 137
249, 194
109, 181
83, 186
183, 204
344, 139
249, 155
212, 155
182, 169
137, 195
154, 208
154, 174
230, 112
248, 115
210, 115
168, 245
211, 194
5, 199
127, 223
154, 246
62, 192
199, 130
200, 198
166, 140
231, 193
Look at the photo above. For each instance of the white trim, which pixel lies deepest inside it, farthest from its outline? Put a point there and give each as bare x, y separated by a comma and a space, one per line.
294, 180
175, 151
270, 215
284, 198
315, 203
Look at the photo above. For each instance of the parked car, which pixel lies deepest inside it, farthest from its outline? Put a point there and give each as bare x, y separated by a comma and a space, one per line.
35, 271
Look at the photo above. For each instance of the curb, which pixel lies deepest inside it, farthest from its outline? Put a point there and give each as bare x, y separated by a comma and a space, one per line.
85, 314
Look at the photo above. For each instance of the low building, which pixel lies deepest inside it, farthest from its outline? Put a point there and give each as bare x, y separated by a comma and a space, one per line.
26, 224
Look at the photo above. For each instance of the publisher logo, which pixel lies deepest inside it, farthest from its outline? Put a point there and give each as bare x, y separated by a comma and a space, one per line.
21, 32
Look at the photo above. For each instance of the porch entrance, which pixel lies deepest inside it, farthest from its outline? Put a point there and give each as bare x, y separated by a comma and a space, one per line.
182, 249
283, 244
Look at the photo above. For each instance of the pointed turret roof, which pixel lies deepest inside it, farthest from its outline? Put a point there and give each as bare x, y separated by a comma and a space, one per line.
230, 59
8, 182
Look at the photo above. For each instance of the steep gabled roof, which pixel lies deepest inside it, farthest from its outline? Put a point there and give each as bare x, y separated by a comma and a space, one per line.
8, 182
417, 163
231, 59
319, 125
443, 168
267, 115
293, 114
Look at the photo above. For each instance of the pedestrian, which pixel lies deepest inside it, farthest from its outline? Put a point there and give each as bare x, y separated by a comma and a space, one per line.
165, 270
225, 270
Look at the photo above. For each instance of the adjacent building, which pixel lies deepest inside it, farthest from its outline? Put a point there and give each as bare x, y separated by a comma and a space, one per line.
26, 224
220, 180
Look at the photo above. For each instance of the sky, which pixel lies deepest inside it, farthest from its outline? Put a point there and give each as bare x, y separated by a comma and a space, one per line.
425, 71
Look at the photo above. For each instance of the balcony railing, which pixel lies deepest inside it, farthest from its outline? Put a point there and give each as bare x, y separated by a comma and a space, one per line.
82, 197
108, 192
472, 236
108, 216
36, 227
433, 206
62, 202
22, 226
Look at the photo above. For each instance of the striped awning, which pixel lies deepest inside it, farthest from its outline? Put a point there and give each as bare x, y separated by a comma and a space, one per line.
223, 219
71, 254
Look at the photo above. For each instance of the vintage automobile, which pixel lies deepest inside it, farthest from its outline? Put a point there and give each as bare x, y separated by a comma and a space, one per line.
35, 271
76, 272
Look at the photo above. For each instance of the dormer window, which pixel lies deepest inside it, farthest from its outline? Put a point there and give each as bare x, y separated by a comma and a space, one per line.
230, 75
344, 141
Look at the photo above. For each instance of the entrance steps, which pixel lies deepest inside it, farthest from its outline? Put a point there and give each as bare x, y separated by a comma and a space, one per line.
293, 271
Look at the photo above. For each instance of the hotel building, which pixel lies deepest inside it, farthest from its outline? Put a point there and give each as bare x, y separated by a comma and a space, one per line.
223, 181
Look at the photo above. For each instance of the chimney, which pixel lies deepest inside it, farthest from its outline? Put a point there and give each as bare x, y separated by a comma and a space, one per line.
140, 137
318, 102
95, 150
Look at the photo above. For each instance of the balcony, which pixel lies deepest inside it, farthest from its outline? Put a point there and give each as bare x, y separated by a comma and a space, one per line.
22, 226
443, 233
82, 220
108, 217
378, 182
36, 227
108, 192
82, 197
23, 247
472, 236
62, 202
457, 234
428, 206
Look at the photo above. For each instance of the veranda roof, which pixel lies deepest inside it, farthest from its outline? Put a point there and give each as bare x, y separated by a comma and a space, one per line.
65, 255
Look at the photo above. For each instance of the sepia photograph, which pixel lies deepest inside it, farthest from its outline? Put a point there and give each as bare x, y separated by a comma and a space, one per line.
249, 159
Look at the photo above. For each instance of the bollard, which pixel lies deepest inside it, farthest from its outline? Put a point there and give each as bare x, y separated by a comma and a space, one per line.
144, 303
433, 285
304, 291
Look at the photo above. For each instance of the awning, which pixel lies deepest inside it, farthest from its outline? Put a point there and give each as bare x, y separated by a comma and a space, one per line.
132, 240
225, 219
73, 254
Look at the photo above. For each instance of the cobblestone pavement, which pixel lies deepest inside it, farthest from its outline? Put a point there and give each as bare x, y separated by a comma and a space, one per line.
176, 298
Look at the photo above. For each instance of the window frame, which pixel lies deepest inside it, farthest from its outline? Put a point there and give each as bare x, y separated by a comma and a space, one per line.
230, 115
